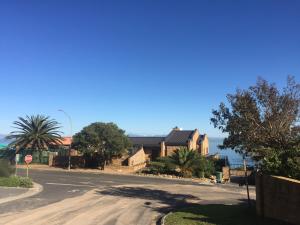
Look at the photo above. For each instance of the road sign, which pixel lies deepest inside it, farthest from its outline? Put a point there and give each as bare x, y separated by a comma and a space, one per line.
28, 159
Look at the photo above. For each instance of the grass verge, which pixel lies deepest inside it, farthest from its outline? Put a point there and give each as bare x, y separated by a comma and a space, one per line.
15, 181
216, 214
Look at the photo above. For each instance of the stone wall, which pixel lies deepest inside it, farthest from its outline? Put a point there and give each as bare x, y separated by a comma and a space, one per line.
138, 158
278, 198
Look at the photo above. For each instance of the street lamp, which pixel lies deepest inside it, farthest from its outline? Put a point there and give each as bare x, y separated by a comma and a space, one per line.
71, 132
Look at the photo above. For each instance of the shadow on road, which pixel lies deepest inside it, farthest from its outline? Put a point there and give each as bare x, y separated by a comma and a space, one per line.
169, 200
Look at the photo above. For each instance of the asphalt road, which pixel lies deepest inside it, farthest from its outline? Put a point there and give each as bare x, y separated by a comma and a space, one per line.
81, 198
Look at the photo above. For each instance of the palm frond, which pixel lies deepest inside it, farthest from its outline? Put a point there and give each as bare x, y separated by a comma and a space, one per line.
36, 132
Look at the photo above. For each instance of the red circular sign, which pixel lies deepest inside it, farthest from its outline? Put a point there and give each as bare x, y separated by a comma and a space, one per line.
28, 159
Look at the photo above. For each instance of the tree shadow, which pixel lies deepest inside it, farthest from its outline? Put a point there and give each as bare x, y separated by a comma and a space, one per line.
167, 199
194, 213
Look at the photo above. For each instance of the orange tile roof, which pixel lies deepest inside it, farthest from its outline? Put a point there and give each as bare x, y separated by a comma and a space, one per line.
66, 140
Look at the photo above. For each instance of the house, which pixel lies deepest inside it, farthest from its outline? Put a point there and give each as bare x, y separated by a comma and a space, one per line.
66, 142
64, 145
154, 147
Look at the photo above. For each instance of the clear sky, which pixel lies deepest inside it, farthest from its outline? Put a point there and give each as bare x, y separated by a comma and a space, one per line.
146, 65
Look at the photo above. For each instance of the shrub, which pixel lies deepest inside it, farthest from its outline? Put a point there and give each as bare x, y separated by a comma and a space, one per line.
185, 160
205, 168
15, 181
6, 169
25, 182
185, 163
219, 163
282, 164
161, 166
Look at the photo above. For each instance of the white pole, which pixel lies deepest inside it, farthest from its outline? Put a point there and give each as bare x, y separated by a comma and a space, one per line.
71, 133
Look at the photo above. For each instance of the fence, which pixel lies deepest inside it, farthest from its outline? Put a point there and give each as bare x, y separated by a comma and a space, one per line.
278, 198
38, 157
84, 161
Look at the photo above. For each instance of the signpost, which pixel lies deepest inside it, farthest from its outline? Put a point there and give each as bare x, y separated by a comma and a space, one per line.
17, 159
28, 159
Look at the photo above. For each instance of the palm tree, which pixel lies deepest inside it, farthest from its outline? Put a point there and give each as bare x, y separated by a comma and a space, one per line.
35, 132
185, 160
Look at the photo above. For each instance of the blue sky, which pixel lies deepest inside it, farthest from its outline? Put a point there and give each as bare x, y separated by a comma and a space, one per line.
146, 65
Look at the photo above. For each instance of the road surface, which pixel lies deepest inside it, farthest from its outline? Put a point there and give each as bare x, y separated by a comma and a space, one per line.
81, 198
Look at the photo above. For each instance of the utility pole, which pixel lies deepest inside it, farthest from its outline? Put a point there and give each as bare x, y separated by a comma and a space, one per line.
71, 134
246, 180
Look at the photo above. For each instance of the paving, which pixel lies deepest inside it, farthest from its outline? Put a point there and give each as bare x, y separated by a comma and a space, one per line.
11, 191
81, 198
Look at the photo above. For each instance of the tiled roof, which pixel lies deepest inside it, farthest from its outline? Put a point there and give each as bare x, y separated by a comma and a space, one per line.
146, 141
66, 140
179, 137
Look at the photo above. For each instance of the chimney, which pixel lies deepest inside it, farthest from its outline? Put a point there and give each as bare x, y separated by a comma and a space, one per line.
177, 128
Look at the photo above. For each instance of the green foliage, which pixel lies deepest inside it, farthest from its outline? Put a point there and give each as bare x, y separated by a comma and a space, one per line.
162, 166
6, 169
105, 140
35, 132
185, 160
219, 163
205, 168
212, 214
263, 122
285, 163
15, 181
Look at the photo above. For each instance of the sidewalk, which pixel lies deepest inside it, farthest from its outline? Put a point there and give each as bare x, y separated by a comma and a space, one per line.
8, 194
11, 191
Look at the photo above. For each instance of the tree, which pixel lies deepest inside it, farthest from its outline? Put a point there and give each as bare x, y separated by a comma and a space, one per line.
185, 160
35, 132
263, 122
104, 140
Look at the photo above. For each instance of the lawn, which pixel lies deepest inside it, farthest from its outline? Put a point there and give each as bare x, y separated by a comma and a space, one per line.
15, 181
216, 214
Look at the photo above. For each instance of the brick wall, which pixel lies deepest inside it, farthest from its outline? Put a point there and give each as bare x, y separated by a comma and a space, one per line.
171, 149
193, 142
204, 147
278, 198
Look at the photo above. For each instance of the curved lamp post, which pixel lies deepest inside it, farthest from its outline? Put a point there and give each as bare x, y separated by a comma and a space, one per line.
71, 133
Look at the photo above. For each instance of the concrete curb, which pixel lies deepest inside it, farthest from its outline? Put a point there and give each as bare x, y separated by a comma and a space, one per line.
90, 171
162, 221
37, 188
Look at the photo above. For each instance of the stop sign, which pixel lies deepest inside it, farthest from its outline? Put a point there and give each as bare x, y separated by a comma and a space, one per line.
28, 158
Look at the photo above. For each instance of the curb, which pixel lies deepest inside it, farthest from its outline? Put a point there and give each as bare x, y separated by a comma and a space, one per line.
37, 188
118, 174
162, 220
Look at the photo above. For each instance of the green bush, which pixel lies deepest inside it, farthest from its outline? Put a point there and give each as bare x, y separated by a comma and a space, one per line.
205, 168
286, 163
161, 166
6, 169
15, 181
196, 165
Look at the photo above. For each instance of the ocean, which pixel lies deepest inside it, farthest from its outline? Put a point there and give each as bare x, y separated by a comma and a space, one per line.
234, 158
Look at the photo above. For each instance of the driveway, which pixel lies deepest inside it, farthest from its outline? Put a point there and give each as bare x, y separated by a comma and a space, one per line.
80, 198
